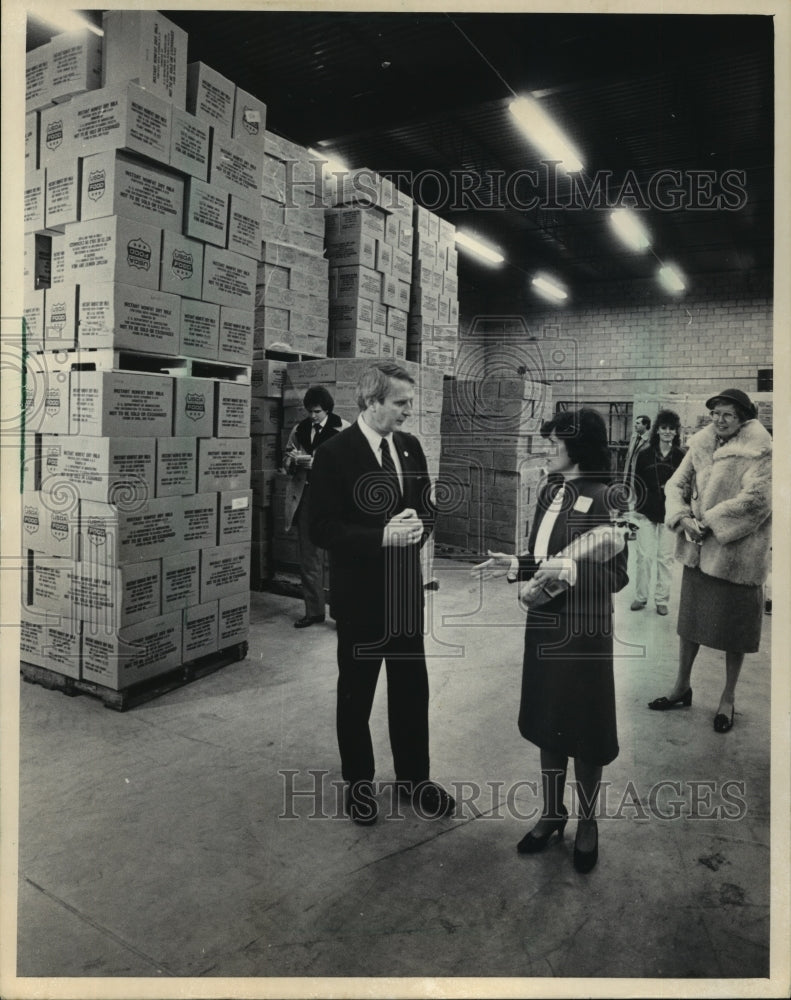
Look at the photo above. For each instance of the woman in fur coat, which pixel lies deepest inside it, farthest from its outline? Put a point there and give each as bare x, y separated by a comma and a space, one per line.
719, 504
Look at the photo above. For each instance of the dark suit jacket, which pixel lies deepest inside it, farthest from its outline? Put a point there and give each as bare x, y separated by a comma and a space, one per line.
596, 582
350, 503
652, 471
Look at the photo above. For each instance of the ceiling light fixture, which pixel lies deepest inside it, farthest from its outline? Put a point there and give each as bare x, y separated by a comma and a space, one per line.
630, 229
64, 20
545, 135
332, 165
671, 278
475, 246
549, 288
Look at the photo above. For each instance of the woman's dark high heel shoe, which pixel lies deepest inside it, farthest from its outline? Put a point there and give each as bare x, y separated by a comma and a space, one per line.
663, 704
531, 844
722, 724
585, 861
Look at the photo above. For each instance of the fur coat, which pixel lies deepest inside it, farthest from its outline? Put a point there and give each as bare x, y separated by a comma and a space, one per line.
730, 489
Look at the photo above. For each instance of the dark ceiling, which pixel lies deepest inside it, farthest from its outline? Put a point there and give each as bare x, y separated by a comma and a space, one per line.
428, 93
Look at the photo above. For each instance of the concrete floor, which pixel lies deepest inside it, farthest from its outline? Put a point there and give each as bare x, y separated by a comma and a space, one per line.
151, 842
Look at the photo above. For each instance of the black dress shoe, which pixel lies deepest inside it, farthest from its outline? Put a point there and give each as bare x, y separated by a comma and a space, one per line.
585, 861
309, 620
361, 807
532, 843
663, 704
722, 724
429, 800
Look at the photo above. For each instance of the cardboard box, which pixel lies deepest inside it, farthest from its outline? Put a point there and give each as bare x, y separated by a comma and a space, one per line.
199, 631
228, 278
350, 314
107, 469
235, 167
266, 415
62, 198
130, 404
235, 522
402, 266
38, 78
132, 654
267, 378
181, 266
147, 48
119, 117
200, 329
397, 323
76, 64
358, 249
113, 249
224, 570
210, 97
236, 335
249, 121
48, 587
263, 483
264, 452
200, 520
60, 318
244, 226
53, 646
234, 619
356, 282
384, 257
33, 313
35, 200
50, 522
115, 315
354, 343
223, 464
176, 466
189, 144
135, 533
108, 597
57, 259
379, 318
180, 581
47, 397
231, 410
114, 184
206, 213
193, 407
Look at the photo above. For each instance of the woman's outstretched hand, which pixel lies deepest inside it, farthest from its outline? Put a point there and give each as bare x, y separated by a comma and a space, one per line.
498, 564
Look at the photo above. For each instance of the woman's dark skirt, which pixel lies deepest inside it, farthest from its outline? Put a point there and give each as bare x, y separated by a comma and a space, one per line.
568, 693
720, 614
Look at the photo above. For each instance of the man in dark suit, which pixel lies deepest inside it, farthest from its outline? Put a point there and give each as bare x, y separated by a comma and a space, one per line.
319, 426
371, 508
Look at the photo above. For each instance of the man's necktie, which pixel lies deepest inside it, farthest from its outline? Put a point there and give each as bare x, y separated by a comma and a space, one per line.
388, 465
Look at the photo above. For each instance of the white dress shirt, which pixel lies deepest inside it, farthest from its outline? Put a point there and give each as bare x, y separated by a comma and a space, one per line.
374, 439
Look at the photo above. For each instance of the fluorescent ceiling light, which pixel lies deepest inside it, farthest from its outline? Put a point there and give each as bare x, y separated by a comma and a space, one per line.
332, 165
549, 289
64, 20
671, 278
630, 229
545, 135
481, 249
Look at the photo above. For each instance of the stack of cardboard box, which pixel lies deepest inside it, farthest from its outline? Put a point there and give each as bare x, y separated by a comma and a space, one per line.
292, 285
434, 309
142, 239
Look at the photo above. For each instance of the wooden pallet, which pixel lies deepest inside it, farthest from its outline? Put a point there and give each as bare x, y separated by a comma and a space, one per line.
143, 691
122, 359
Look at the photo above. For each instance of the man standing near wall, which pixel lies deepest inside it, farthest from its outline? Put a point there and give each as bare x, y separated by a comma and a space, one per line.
371, 508
638, 444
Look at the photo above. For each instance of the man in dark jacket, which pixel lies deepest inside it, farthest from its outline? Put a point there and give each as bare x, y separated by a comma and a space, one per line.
371, 508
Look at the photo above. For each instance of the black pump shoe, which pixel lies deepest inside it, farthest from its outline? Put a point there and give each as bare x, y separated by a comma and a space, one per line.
585, 861
531, 844
722, 724
663, 704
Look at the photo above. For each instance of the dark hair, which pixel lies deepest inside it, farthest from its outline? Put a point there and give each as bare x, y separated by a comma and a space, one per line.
374, 383
318, 395
742, 412
666, 418
585, 436
646, 420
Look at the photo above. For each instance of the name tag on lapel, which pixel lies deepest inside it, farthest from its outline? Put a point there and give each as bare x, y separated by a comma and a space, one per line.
583, 504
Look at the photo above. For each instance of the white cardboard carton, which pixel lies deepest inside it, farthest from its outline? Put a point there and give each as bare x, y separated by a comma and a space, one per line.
114, 184
38, 78
199, 631
235, 167
249, 120
113, 249
119, 117
76, 64
132, 404
236, 333
180, 581
136, 532
147, 48
231, 410
200, 329
107, 469
206, 213
244, 226
225, 570
132, 654
107, 597
210, 97
62, 193
115, 315
189, 145
176, 467
235, 516
223, 464
228, 278
181, 268
200, 520
193, 407
234, 619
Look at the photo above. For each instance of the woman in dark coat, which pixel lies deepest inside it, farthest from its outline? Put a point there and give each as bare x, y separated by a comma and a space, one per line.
656, 543
567, 705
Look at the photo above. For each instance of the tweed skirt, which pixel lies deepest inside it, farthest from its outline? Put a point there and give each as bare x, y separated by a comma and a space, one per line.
720, 614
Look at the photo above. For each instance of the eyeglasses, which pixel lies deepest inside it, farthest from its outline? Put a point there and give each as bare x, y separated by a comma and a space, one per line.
720, 415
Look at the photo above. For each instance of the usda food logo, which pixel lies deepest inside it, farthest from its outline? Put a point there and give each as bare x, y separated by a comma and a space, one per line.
195, 406
54, 134
138, 254
181, 264
30, 520
96, 184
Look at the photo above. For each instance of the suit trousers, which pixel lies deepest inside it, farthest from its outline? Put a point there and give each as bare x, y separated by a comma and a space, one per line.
655, 546
311, 564
407, 702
